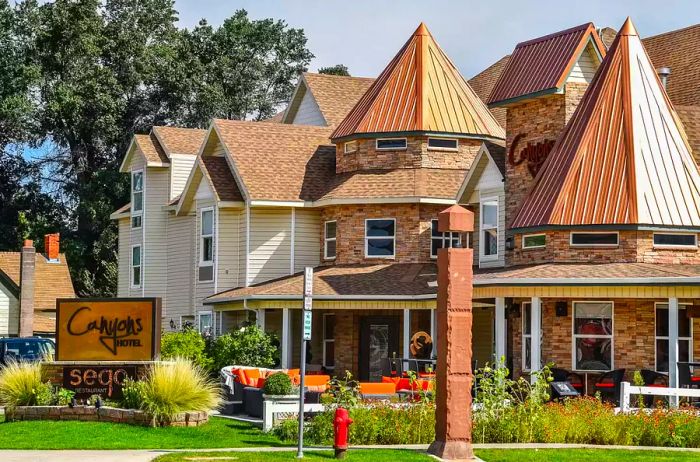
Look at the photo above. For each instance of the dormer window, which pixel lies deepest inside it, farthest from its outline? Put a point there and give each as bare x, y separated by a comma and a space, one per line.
350, 146
136, 198
391, 144
443, 144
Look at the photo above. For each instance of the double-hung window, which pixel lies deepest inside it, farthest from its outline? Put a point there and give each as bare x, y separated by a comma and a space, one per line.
489, 229
206, 245
380, 238
685, 336
440, 240
593, 336
136, 266
329, 340
206, 322
329, 240
136, 198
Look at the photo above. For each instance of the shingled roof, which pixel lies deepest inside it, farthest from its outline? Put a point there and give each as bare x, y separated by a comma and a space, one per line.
622, 158
483, 83
218, 172
177, 140
414, 93
152, 150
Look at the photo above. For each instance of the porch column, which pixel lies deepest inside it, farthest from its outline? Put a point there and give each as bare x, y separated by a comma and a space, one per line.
500, 327
673, 347
406, 333
286, 337
536, 335
260, 319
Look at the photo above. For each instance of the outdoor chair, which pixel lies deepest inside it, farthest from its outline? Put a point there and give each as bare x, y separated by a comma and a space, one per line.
253, 401
392, 367
653, 379
686, 378
609, 384
410, 365
563, 375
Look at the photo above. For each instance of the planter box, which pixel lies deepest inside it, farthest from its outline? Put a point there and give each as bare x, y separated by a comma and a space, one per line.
103, 414
287, 404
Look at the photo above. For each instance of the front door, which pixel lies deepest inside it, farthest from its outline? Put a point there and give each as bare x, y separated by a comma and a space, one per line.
379, 340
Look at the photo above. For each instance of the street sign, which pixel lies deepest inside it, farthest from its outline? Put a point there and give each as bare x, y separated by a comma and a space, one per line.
308, 303
307, 325
308, 292
308, 281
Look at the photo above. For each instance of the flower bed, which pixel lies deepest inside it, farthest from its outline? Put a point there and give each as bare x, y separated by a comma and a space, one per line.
103, 414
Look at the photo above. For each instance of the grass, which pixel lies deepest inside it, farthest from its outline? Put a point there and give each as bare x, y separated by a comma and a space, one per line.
582, 455
218, 433
379, 455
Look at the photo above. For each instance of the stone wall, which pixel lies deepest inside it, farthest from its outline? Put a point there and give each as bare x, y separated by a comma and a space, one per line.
103, 414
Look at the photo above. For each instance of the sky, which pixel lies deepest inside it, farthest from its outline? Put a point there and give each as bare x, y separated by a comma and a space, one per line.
365, 34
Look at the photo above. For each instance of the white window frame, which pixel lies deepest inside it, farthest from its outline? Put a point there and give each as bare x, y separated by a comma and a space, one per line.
681, 306
134, 212
571, 239
523, 336
139, 266
393, 255
445, 237
574, 335
202, 236
211, 322
347, 146
482, 240
327, 340
534, 246
678, 246
327, 239
434, 148
376, 144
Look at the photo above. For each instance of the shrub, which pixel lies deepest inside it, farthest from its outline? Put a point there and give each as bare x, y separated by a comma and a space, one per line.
63, 397
248, 346
21, 384
344, 393
178, 386
278, 384
132, 394
188, 344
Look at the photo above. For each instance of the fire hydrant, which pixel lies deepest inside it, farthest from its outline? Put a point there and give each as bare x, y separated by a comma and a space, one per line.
341, 424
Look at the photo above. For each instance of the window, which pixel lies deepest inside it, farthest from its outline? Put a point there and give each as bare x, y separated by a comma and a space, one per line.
329, 340
594, 239
675, 240
136, 198
534, 241
391, 143
527, 335
350, 146
206, 250
440, 240
329, 247
136, 266
489, 229
593, 336
380, 236
443, 144
205, 322
685, 336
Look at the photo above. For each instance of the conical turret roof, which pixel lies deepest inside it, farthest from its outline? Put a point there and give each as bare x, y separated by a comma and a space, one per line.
623, 158
420, 90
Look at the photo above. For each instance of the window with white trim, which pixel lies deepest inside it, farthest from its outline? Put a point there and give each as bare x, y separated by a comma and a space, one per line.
206, 245
136, 198
590, 239
136, 266
489, 229
380, 238
329, 340
689, 240
443, 144
391, 144
206, 322
685, 336
350, 146
329, 240
440, 240
534, 241
593, 336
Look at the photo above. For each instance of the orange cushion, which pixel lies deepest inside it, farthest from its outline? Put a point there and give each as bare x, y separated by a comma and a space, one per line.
251, 376
317, 388
403, 384
315, 380
373, 388
261, 383
605, 385
293, 372
394, 380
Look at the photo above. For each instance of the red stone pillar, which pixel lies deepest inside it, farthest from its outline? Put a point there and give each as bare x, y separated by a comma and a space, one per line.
453, 418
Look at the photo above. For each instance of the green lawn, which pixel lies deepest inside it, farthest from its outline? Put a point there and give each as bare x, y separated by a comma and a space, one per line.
383, 455
218, 433
582, 455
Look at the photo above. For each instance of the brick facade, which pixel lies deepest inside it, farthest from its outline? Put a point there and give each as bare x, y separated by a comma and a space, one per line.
416, 155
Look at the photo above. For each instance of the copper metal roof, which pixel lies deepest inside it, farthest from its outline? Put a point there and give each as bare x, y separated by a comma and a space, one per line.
623, 157
543, 63
420, 90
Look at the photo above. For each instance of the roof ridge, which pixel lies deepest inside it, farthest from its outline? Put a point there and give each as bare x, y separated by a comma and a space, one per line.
333, 76
675, 31
555, 34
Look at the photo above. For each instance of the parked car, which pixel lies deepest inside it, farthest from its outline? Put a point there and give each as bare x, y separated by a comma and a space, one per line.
25, 349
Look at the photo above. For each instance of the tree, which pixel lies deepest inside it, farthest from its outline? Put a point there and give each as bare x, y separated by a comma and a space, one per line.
338, 69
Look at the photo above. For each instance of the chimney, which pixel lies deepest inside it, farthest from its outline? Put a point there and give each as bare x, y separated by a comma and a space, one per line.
51, 247
26, 287
664, 73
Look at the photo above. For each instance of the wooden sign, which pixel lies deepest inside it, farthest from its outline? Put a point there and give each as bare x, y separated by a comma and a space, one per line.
106, 381
113, 329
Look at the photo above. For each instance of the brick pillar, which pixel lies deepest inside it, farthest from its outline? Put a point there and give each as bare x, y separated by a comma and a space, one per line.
453, 416
26, 286
51, 246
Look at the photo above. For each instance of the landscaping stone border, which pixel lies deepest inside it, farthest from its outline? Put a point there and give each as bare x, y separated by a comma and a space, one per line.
103, 414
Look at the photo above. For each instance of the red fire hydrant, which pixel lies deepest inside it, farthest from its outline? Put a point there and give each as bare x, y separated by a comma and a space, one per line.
341, 423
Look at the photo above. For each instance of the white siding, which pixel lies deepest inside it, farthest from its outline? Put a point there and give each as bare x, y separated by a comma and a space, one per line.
585, 66
307, 232
270, 244
155, 250
180, 272
242, 251
124, 255
491, 178
309, 113
9, 312
204, 191
180, 168
229, 238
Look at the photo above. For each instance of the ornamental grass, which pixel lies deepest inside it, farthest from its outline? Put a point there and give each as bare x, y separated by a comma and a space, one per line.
177, 386
21, 385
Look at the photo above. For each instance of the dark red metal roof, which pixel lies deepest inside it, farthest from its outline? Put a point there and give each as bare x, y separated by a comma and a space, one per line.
543, 63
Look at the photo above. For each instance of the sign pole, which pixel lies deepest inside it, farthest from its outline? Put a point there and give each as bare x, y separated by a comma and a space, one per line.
306, 336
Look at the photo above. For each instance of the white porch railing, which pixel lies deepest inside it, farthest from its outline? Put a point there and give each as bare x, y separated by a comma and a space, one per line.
273, 405
627, 390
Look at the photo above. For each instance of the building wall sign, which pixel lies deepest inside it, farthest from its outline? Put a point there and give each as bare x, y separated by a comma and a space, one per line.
533, 153
105, 381
118, 329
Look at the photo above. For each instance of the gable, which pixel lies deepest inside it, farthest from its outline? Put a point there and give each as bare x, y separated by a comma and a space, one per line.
484, 174
308, 112
585, 66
